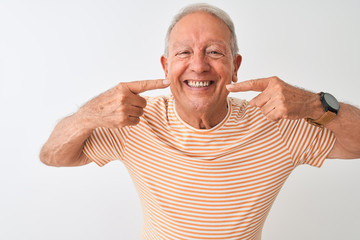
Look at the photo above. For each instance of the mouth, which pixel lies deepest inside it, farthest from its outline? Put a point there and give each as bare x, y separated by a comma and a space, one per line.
198, 84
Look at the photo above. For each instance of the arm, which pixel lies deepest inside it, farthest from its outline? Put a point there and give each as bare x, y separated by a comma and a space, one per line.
279, 100
346, 127
65, 144
116, 108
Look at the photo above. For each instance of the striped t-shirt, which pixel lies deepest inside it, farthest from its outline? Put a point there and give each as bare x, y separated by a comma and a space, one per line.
216, 183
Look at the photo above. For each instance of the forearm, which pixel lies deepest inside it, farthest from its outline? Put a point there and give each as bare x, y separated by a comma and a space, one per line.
279, 100
65, 144
116, 108
346, 127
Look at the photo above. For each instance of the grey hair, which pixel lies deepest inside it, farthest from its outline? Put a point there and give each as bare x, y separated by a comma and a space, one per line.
204, 7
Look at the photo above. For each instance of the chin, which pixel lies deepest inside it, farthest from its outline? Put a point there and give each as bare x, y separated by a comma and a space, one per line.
201, 106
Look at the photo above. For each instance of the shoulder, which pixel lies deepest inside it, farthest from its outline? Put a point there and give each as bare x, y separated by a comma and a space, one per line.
237, 102
239, 107
244, 114
157, 99
156, 114
157, 108
157, 102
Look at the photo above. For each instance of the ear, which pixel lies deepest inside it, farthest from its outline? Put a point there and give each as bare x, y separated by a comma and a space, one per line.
164, 64
237, 63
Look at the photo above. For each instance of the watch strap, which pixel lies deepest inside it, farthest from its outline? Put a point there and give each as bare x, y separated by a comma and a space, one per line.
323, 120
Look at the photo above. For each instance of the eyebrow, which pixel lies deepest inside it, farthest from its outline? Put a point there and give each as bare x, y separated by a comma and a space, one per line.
186, 42
217, 42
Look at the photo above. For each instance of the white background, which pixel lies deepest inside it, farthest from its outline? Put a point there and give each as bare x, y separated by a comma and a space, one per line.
56, 55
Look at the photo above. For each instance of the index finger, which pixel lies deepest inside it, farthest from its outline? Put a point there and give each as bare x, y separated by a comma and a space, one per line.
258, 85
137, 87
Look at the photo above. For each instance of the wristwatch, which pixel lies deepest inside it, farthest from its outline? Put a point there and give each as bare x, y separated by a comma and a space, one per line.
331, 107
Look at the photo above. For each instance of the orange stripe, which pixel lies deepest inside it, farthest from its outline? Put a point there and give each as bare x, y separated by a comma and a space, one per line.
190, 180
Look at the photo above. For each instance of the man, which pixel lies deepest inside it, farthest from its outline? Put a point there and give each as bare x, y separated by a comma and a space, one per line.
206, 166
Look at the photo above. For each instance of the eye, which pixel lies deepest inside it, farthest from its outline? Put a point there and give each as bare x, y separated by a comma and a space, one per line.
183, 54
214, 54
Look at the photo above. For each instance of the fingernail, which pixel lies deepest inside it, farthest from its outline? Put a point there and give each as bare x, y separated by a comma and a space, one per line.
166, 82
230, 86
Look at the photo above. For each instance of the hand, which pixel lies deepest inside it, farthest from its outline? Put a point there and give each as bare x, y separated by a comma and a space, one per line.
120, 106
279, 100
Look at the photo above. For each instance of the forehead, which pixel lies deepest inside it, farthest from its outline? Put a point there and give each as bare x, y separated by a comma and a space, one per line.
200, 27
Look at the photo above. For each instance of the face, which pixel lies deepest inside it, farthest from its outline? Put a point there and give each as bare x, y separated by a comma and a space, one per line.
200, 63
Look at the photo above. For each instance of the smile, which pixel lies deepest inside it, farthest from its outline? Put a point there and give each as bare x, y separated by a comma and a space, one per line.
198, 84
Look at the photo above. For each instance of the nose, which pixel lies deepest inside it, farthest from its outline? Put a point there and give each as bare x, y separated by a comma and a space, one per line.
199, 63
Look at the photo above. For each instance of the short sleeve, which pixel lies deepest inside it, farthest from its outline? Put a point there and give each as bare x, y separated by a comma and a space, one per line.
307, 144
105, 145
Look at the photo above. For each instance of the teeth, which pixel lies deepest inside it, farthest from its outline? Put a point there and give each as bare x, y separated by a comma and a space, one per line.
198, 84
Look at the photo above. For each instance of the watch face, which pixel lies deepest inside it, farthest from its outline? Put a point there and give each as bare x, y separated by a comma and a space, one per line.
331, 101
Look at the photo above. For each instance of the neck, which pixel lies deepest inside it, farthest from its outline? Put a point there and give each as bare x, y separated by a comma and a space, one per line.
203, 118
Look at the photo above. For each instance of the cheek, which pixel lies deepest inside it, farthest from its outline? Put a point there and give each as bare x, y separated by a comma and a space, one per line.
224, 69
175, 71
231, 74
226, 76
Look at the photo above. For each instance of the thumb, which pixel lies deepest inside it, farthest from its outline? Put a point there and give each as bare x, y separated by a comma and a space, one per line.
137, 87
258, 85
